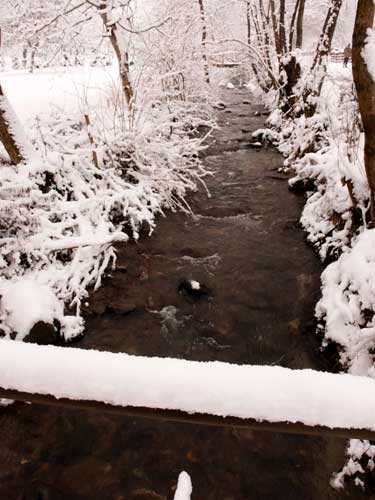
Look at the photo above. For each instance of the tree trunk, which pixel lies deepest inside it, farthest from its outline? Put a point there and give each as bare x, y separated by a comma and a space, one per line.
204, 38
9, 127
325, 41
292, 27
291, 66
282, 34
312, 93
274, 26
301, 14
365, 85
293, 72
121, 55
248, 22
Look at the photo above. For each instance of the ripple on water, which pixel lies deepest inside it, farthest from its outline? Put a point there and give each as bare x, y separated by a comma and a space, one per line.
246, 221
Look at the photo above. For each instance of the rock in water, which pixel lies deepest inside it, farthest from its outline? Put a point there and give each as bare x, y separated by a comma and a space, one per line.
193, 289
220, 105
43, 333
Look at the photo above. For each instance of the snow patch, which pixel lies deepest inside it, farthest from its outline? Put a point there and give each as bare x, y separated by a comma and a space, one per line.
195, 285
368, 52
25, 302
184, 487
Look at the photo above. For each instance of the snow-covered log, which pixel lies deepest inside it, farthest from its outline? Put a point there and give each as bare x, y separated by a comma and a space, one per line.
262, 393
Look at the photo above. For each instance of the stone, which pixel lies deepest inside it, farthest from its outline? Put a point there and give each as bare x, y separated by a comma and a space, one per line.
44, 333
186, 287
302, 186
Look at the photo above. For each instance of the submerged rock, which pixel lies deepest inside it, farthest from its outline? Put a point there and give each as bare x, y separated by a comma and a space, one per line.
220, 105
255, 145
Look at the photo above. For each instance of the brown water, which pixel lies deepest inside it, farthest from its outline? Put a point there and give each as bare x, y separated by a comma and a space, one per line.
263, 282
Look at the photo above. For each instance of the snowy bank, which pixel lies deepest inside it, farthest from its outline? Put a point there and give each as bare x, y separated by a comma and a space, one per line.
88, 187
347, 306
325, 153
264, 393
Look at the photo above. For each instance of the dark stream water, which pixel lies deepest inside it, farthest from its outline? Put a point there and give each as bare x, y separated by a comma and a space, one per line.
263, 282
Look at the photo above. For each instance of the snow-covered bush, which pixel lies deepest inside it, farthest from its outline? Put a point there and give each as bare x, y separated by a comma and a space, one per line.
347, 306
105, 171
63, 213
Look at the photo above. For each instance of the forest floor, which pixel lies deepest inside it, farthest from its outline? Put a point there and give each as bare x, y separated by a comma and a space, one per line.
262, 283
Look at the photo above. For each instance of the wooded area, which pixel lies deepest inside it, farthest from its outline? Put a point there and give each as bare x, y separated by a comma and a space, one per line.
120, 117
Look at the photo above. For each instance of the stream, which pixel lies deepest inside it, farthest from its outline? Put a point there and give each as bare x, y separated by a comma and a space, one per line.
260, 282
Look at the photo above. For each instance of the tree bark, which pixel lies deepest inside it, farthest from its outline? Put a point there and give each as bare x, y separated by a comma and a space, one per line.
7, 131
365, 86
204, 39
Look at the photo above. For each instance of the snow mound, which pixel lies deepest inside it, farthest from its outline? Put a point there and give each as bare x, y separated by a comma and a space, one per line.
347, 306
25, 302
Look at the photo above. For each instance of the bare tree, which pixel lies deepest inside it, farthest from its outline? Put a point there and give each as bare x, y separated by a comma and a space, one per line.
365, 85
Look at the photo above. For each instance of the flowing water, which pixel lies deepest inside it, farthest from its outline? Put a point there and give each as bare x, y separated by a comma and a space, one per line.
261, 284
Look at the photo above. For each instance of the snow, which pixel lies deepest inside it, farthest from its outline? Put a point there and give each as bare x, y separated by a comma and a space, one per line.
16, 129
6, 402
115, 15
348, 294
368, 53
268, 393
357, 451
195, 285
59, 90
25, 302
184, 487
37, 303
337, 159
